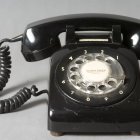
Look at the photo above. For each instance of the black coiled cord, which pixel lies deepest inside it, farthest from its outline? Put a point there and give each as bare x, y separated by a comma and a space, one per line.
5, 65
11, 104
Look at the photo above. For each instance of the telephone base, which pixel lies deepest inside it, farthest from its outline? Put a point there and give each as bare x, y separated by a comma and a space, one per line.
73, 114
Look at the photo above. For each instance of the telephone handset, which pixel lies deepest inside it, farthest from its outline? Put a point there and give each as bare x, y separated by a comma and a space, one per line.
94, 77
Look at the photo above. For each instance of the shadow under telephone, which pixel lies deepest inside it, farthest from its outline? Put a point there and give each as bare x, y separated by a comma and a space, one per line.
94, 77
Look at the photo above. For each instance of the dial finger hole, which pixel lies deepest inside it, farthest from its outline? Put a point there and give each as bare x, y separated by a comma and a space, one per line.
74, 77
88, 57
100, 57
102, 87
91, 88
108, 61
74, 69
112, 83
79, 61
78, 84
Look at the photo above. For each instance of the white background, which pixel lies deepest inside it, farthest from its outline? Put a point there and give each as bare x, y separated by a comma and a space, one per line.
30, 121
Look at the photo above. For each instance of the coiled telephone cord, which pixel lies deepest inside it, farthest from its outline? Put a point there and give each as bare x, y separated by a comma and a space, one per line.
11, 104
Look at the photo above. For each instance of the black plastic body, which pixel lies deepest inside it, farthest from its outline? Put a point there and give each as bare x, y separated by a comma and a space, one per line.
66, 115
40, 39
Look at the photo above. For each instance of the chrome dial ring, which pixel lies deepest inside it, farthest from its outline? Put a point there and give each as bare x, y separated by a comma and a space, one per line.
95, 73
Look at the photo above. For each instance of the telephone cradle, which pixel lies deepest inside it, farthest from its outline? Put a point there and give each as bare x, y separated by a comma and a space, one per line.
94, 77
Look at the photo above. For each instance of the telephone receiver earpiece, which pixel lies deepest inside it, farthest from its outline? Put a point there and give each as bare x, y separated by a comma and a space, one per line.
40, 39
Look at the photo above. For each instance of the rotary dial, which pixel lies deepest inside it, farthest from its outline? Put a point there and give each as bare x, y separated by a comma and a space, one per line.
95, 73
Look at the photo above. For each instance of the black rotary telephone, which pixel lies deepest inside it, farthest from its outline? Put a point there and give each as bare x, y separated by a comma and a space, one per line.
94, 77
